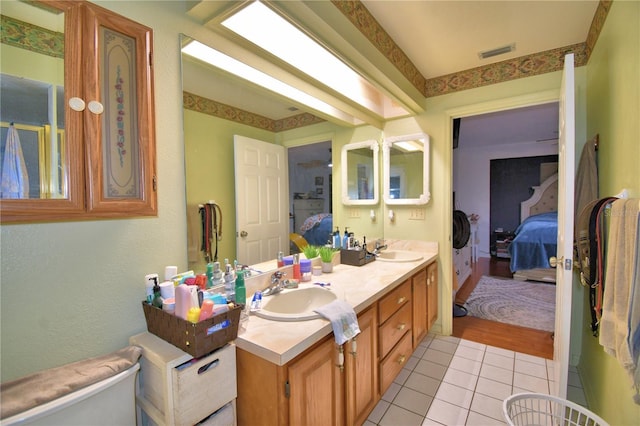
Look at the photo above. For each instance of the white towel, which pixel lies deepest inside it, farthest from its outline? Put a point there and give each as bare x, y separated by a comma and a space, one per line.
620, 322
343, 320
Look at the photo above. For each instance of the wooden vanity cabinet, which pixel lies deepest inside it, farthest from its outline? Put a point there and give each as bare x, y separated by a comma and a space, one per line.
313, 389
432, 294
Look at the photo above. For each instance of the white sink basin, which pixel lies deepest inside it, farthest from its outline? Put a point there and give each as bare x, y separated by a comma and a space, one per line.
398, 256
295, 305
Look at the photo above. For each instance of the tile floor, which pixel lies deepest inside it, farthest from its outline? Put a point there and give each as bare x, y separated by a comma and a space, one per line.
452, 381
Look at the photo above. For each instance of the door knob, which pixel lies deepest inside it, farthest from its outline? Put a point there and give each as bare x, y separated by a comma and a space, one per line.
243, 234
553, 261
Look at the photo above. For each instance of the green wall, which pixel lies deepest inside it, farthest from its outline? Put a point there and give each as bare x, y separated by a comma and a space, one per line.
613, 112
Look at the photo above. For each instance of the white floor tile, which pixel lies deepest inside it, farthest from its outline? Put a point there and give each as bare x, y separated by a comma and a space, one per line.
391, 393
461, 379
485, 405
497, 374
471, 344
451, 339
477, 419
530, 383
454, 395
500, 351
399, 416
419, 352
468, 352
530, 368
414, 401
438, 357
493, 389
402, 376
411, 363
444, 346
498, 360
424, 384
431, 369
531, 358
466, 365
378, 411
574, 379
446, 413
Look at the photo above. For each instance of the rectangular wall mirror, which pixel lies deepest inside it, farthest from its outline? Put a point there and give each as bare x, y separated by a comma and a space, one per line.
360, 173
406, 169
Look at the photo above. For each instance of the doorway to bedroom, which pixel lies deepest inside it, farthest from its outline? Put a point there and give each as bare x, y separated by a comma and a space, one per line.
489, 182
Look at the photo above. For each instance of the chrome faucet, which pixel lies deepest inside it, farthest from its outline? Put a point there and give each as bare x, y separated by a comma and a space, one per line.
380, 245
275, 285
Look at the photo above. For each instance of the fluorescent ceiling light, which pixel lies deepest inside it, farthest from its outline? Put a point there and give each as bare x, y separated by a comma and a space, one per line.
220, 60
409, 146
262, 26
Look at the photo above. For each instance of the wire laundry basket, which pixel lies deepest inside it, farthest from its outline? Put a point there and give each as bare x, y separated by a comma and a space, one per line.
529, 409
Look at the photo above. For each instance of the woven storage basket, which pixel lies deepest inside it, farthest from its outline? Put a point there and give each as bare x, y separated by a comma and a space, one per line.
195, 339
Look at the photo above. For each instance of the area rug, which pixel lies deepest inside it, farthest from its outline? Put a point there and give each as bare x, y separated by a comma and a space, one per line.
524, 303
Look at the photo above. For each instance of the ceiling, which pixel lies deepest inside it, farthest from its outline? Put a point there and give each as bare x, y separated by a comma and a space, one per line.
440, 38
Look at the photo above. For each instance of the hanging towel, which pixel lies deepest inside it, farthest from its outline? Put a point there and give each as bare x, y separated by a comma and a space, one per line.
620, 322
15, 179
343, 320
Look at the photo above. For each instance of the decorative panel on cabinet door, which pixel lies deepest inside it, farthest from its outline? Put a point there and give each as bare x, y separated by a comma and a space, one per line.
316, 386
419, 303
120, 140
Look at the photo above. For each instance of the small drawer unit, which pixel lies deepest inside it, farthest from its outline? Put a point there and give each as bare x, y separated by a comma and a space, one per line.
176, 389
394, 333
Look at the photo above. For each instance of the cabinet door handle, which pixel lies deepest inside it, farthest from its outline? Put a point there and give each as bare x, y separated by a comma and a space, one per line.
401, 300
401, 326
401, 359
206, 367
354, 347
340, 358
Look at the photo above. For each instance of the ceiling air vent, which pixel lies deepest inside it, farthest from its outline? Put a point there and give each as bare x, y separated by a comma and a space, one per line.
497, 51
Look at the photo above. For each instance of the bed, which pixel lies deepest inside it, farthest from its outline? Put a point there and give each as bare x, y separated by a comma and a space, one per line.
536, 237
317, 229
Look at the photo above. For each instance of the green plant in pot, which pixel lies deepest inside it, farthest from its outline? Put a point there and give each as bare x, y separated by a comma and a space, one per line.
326, 256
311, 251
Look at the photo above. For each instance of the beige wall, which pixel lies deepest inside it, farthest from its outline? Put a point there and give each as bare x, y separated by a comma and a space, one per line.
73, 290
613, 112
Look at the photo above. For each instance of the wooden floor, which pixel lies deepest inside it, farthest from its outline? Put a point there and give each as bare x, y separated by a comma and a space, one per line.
520, 339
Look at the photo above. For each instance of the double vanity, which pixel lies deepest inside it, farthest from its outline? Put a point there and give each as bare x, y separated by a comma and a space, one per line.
290, 369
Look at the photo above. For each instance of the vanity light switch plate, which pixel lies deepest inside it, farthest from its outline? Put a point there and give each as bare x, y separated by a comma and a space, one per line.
416, 214
354, 213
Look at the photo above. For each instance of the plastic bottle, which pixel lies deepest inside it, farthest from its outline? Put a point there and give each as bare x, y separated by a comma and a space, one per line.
296, 266
209, 275
183, 301
280, 259
217, 279
305, 270
241, 290
157, 298
345, 239
148, 282
229, 284
336, 239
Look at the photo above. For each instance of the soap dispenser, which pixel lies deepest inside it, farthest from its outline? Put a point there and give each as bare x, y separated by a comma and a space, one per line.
345, 239
336, 239
157, 298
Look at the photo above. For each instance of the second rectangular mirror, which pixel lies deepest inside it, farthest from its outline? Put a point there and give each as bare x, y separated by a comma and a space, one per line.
406, 169
360, 173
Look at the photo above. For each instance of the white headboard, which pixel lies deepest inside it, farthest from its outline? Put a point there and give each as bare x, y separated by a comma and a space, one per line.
543, 200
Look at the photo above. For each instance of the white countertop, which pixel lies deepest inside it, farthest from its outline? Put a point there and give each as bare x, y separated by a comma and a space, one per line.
279, 342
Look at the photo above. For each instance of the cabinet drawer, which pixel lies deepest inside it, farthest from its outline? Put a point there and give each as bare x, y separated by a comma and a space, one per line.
393, 363
204, 386
389, 304
394, 328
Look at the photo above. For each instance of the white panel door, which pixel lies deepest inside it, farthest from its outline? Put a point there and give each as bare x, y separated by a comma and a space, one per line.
564, 273
262, 213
